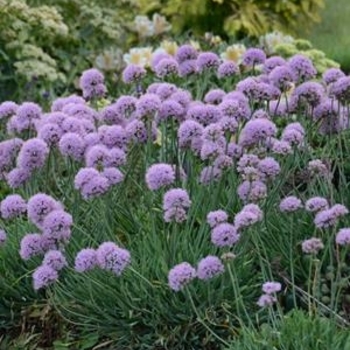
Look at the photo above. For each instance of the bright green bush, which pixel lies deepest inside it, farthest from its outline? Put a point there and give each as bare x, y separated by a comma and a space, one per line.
235, 17
296, 330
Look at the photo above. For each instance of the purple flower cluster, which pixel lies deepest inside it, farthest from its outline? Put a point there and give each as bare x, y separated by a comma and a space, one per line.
312, 245
269, 297
248, 216
13, 206
110, 257
159, 175
92, 84
176, 202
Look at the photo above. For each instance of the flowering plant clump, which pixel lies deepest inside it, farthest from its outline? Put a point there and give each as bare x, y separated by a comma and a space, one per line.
169, 206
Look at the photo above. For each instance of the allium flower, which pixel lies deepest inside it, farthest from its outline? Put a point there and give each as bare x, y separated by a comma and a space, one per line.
133, 73
312, 245
266, 300
269, 167
31, 245
176, 198
148, 105
282, 77
290, 204
72, 145
247, 160
316, 204
253, 56
325, 218
343, 237
3, 237
271, 287
186, 52
331, 75
214, 96
317, 167
12, 206
28, 111
17, 177
227, 69
187, 68
39, 206
8, 109
234, 151
224, 235
113, 175
113, 136
187, 131
273, 62
83, 176
209, 267
59, 103
85, 260
159, 175
110, 257
223, 162
44, 276
96, 156
57, 225
310, 92
55, 259
165, 90
136, 131
50, 133
204, 114
217, 217
180, 276
159, 56
182, 96
257, 131
252, 191
176, 214
167, 66
339, 210
92, 84
282, 147
328, 117
249, 215
171, 110
33, 154
235, 109
302, 67
95, 187
125, 105
207, 60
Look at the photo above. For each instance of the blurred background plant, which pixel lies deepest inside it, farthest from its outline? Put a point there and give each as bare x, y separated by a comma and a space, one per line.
239, 18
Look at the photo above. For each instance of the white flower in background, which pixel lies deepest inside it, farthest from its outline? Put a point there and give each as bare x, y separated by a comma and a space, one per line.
270, 40
160, 24
143, 26
169, 46
195, 44
109, 60
233, 53
140, 56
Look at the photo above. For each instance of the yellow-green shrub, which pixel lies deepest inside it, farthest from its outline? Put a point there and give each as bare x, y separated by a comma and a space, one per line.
235, 17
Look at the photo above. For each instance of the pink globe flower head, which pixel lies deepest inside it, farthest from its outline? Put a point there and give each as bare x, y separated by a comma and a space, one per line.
186, 52
209, 267
133, 74
55, 259
44, 276
312, 245
110, 257
343, 237
39, 206
207, 60
72, 145
290, 204
31, 245
253, 56
176, 198
57, 224
13, 206
271, 287
214, 96
159, 175
92, 84
214, 218
316, 204
266, 300
85, 260
180, 276
33, 154
224, 235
